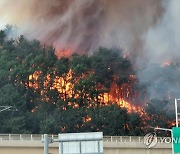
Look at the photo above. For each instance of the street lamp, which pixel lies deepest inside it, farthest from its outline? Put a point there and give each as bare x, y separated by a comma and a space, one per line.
177, 123
170, 130
176, 111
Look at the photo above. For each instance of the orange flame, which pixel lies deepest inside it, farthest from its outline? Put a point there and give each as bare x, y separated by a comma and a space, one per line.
64, 86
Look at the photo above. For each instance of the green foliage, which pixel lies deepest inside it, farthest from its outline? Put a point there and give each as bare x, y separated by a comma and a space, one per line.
80, 64
135, 124
48, 125
158, 111
102, 64
15, 125
2, 37
110, 119
45, 109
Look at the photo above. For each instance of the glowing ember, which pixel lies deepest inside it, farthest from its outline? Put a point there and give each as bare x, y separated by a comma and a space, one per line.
87, 119
33, 79
165, 64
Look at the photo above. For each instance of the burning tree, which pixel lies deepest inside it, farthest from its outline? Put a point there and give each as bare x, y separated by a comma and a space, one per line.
78, 93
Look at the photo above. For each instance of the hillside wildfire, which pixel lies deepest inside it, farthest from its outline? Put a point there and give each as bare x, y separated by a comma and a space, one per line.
82, 92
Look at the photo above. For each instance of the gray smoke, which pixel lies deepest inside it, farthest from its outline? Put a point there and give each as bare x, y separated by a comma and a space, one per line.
161, 54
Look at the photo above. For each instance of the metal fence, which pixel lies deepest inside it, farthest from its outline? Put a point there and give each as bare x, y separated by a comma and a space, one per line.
39, 137
25, 137
123, 139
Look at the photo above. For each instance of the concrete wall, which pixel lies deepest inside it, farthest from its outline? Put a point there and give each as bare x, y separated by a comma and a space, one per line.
25, 147
135, 148
36, 147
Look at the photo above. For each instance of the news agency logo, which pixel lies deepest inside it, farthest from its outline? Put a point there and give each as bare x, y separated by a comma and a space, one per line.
150, 140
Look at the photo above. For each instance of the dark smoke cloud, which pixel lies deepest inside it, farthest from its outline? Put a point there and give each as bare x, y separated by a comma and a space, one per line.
143, 28
83, 24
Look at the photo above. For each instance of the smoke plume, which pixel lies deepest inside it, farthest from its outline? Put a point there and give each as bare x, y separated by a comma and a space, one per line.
161, 46
83, 24
147, 30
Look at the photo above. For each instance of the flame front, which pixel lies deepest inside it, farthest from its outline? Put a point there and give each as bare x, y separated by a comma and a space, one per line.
65, 87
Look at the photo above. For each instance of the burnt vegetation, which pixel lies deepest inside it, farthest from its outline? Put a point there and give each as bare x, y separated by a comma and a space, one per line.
77, 94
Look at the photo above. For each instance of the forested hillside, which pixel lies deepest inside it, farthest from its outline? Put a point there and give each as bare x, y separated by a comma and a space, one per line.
80, 93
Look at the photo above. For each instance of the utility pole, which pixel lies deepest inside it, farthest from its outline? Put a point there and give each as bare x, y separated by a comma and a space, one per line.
170, 130
46, 144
